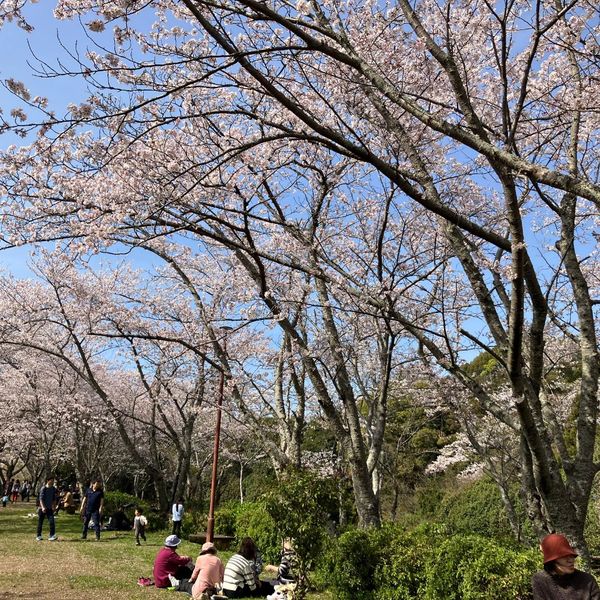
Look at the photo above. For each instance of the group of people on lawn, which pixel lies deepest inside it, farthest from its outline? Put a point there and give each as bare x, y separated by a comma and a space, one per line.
559, 580
91, 508
239, 578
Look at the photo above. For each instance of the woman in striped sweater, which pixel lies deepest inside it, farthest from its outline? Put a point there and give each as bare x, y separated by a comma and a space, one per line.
240, 580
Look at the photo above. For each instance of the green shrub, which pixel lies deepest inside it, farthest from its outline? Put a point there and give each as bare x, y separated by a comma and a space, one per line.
393, 564
299, 508
429, 496
476, 568
401, 572
253, 520
194, 521
225, 519
476, 508
349, 566
114, 500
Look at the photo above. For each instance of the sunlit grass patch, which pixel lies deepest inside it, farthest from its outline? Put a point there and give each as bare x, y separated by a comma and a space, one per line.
72, 568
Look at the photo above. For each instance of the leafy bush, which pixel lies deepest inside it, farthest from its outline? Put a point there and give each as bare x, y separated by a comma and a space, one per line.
349, 565
299, 511
114, 500
225, 519
253, 520
393, 564
194, 521
477, 568
401, 572
476, 508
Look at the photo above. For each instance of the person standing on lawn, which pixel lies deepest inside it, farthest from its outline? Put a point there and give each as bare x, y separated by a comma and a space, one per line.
177, 513
92, 506
48, 501
25, 491
16, 489
139, 526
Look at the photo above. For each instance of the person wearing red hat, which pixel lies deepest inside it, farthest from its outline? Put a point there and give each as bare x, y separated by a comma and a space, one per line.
560, 580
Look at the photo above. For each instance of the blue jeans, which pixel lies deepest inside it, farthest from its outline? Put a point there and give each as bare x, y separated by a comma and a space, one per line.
50, 515
86, 521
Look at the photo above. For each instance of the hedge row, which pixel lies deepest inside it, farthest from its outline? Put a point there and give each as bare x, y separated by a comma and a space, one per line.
390, 564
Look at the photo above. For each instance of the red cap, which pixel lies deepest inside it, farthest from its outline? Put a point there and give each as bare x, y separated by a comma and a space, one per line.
555, 546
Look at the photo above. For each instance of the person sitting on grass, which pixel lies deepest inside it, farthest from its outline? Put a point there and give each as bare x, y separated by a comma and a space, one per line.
239, 580
169, 567
207, 576
287, 563
68, 504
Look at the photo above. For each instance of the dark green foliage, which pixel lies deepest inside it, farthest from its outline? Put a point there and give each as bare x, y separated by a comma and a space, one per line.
225, 519
349, 565
253, 520
258, 476
475, 508
300, 508
429, 497
401, 572
477, 568
317, 438
427, 563
194, 521
114, 500
412, 440
484, 367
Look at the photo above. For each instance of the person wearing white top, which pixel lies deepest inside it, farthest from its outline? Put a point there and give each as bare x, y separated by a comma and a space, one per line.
139, 526
177, 517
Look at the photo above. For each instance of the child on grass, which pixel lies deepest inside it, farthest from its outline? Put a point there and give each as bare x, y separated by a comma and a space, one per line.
139, 526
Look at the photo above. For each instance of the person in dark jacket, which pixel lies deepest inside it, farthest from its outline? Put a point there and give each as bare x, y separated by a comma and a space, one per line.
48, 501
92, 507
560, 580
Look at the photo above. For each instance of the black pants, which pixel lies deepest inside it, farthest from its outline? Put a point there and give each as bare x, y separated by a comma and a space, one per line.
86, 522
183, 573
265, 589
50, 515
177, 528
185, 585
140, 532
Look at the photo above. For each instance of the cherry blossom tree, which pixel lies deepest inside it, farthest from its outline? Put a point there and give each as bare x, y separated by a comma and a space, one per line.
430, 166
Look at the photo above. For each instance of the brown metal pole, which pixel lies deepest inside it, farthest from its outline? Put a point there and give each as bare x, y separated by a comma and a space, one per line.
210, 523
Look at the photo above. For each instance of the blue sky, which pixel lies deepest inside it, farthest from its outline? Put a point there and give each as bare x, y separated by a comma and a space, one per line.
44, 42
14, 57
19, 50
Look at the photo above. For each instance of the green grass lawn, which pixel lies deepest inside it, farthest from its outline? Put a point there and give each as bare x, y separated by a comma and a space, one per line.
75, 569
